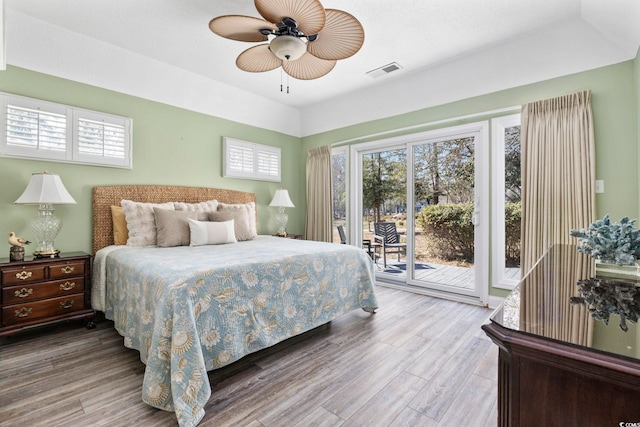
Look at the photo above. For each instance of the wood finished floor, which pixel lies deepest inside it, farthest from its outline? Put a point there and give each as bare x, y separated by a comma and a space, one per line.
419, 361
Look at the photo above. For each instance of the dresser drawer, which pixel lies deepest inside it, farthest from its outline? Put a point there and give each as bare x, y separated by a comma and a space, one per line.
69, 269
26, 274
32, 292
26, 312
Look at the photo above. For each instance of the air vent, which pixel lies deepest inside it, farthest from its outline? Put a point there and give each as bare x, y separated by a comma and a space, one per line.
385, 69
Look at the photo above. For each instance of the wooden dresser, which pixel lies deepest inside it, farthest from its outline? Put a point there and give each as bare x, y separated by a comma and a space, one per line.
557, 365
41, 291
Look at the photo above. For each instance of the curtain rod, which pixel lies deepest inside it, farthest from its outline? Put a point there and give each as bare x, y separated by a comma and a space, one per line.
437, 122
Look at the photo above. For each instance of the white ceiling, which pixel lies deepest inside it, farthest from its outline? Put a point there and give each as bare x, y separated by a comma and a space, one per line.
427, 38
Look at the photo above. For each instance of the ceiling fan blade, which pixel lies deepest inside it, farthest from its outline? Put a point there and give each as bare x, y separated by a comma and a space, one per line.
309, 14
258, 59
341, 37
241, 28
308, 67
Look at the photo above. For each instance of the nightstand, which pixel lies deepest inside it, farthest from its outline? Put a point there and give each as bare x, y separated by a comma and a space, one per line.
39, 291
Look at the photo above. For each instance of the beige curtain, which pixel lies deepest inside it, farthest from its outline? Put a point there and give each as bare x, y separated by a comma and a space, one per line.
319, 211
558, 172
558, 179
545, 294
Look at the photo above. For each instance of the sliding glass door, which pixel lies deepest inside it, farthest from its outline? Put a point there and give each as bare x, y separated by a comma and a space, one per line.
445, 185
432, 190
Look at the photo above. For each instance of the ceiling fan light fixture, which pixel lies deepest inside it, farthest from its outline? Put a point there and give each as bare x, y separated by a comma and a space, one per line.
305, 39
288, 47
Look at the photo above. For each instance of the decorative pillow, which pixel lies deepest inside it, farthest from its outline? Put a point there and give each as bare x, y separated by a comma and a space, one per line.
249, 211
120, 232
202, 208
173, 227
211, 233
240, 219
141, 221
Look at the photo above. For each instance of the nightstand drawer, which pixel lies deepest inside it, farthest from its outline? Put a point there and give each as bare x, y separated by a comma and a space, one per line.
52, 307
26, 274
27, 293
69, 269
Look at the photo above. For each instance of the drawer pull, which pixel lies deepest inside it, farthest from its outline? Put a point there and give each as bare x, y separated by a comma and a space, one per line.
67, 286
67, 303
23, 275
67, 269
23, 312
24, 292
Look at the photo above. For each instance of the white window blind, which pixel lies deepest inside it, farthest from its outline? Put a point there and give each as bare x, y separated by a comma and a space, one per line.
39, 130
268, 162
240, 159
33, 128
248, 160
102, 138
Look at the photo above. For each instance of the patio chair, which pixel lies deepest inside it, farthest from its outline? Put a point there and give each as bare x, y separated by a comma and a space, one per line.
343, 236
366, 243
387, 235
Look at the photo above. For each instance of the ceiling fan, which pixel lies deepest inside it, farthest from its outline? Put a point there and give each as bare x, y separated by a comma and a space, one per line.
307, 38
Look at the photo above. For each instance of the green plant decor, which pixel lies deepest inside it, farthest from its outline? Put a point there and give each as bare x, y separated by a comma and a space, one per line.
610, 242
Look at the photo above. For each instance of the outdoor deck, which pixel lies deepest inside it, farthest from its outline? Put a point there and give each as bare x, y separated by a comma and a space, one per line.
460, 277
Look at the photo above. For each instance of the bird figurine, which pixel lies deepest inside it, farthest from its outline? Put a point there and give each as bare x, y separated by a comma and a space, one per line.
17, 241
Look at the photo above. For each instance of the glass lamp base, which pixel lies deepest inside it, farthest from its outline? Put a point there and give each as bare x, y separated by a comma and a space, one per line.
281, 220
46, 227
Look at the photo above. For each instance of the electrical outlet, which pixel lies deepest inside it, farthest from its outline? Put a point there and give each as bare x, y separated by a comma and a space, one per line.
599, 186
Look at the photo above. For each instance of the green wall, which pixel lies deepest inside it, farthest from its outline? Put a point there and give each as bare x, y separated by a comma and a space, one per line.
180, 147
171, 146
615, 100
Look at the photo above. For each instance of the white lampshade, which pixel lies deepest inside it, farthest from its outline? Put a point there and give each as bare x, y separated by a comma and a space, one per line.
281, 199
288, 47
45, 188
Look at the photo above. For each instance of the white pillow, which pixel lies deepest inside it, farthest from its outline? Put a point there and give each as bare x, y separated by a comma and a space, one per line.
202, 209
141, 221
211, 233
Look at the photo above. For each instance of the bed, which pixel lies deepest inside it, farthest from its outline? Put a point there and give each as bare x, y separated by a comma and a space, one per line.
192, 309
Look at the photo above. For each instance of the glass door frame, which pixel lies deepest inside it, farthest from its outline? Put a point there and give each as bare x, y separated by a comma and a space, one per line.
481, 214
498, 126
480, 131
356, 154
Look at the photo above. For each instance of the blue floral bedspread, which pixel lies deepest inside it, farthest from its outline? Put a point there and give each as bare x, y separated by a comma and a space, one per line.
189, 310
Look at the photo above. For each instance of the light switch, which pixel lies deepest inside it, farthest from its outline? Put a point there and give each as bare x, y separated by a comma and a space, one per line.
599, 186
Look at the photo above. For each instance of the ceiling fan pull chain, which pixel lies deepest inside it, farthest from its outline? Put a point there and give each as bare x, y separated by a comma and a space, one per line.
282, 73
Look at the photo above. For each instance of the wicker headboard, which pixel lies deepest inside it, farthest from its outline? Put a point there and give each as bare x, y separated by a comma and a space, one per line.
106, 196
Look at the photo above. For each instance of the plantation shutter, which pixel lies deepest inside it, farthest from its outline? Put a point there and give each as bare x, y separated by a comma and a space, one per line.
100, 139
240, 160
33, 130
244, 159
268, 163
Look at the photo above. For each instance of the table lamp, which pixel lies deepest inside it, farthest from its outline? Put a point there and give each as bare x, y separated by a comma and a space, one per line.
282, 200
45, 189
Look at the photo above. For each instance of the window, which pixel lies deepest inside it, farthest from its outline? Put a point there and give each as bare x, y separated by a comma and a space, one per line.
37, 129
244, 159
507, 204
339, 190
